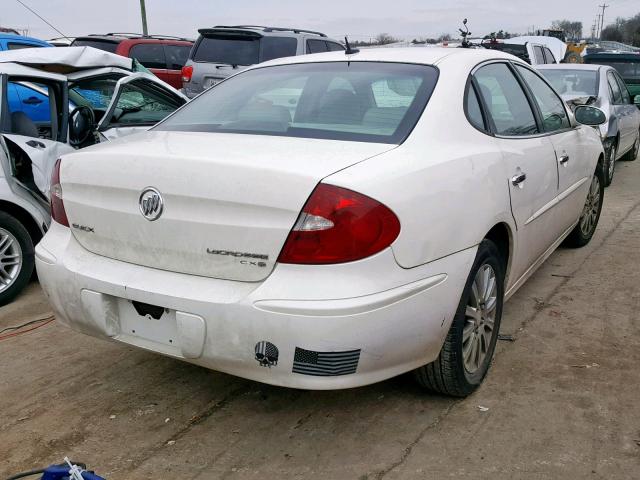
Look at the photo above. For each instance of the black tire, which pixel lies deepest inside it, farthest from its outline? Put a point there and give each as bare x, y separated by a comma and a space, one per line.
447, 374
609, 168
21, 235
578, 236
632, 154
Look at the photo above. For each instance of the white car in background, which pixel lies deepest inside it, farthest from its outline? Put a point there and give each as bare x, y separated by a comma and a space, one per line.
54, 101
602, 87
371, 224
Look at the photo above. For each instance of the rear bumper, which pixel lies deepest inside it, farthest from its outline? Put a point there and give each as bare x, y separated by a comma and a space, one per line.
395, 318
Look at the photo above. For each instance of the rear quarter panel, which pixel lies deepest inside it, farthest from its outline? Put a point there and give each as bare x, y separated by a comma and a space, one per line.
447, 182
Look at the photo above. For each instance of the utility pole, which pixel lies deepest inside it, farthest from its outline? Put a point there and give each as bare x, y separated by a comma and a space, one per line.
603, 7
597, 26
143, 14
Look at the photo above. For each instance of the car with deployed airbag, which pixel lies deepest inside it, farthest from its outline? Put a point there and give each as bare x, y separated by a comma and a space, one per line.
328, 221
53, 101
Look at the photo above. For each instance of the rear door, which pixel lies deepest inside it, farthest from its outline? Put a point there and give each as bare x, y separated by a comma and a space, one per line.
619, 110
573, 174
630, 117
532, 176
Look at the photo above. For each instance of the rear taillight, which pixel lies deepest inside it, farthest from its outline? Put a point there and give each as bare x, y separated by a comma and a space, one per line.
187, 73
337, 225
57, 206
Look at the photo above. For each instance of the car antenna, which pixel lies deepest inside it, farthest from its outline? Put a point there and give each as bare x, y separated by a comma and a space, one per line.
349, 50
465, 33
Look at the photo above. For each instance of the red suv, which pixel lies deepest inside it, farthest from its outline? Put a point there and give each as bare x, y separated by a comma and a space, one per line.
164, 56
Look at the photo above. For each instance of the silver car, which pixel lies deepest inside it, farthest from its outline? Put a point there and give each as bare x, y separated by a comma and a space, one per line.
602, 87
222, 51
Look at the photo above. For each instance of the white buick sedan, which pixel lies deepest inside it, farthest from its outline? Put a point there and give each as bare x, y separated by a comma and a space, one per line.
328, 221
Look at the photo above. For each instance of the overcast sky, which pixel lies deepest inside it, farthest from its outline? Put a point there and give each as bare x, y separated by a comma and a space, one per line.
359, 19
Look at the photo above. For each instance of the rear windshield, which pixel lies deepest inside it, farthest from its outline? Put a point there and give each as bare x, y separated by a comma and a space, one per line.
99, 44
355, 101
573, 82
519, 51
243, 50
629, 71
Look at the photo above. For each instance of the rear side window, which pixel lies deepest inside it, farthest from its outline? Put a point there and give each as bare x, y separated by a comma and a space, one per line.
277, 47
150, 55
537, 52
549, 56
614, 88
354, 101
505, 100
176, 55
316, 46
99, 44
335, 47
554, 115
472, 107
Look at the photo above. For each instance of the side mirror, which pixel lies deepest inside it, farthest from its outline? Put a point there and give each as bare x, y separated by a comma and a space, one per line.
588, 115
81, 125
636, 101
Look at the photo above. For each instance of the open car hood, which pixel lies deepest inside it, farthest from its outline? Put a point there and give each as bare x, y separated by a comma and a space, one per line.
65, 59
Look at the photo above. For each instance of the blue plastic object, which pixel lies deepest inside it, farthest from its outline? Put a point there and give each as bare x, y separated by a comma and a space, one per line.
61, 472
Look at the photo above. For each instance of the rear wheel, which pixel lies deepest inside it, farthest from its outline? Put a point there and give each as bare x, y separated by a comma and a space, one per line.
468, 349
586, 227
610, 164
16, 257
633, 153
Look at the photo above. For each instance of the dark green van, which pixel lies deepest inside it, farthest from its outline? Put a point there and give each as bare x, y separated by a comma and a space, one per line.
627, 65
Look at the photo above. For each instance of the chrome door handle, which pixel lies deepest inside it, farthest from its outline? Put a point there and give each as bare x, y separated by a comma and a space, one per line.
563, 159
518, 179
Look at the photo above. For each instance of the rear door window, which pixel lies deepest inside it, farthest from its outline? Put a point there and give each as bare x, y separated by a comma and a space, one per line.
150, 55
537, 52
614, 88
277, 47
626, 98
554, 115
506, 101
176, 55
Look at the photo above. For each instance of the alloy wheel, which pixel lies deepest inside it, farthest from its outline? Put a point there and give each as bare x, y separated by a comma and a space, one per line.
10, 259
611, 164
480, 316
589, 217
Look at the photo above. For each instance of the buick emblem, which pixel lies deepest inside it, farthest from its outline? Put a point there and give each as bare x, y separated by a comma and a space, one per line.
151, 204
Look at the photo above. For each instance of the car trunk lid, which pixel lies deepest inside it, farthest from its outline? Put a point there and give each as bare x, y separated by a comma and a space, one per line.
229, 200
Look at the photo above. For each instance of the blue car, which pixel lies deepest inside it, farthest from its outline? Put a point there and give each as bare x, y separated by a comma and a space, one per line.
26, 98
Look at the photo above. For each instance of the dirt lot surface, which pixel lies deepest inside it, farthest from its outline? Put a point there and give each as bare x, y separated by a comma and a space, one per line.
561, 401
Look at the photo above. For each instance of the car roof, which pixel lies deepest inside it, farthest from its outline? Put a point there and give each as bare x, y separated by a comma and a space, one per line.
571, 66
419, 55
20, 38
16, 69
65, 59
120, 37
261, 29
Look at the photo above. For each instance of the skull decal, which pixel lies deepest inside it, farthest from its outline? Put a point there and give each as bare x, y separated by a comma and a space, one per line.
266, 354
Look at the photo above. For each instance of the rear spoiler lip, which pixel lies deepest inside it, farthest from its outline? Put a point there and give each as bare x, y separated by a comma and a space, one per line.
229, 32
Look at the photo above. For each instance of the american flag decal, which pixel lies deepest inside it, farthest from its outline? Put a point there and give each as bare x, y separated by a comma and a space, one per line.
325, 364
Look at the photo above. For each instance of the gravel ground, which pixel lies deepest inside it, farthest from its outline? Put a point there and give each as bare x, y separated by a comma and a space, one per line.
561, 400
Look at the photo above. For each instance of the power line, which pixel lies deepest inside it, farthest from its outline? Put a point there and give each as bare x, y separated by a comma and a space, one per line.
41, 18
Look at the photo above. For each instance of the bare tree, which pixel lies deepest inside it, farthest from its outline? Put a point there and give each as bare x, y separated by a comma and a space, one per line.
385, 39
573, 30
625, 30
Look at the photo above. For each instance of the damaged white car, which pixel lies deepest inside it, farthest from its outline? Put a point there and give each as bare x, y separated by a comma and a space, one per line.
53, 101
